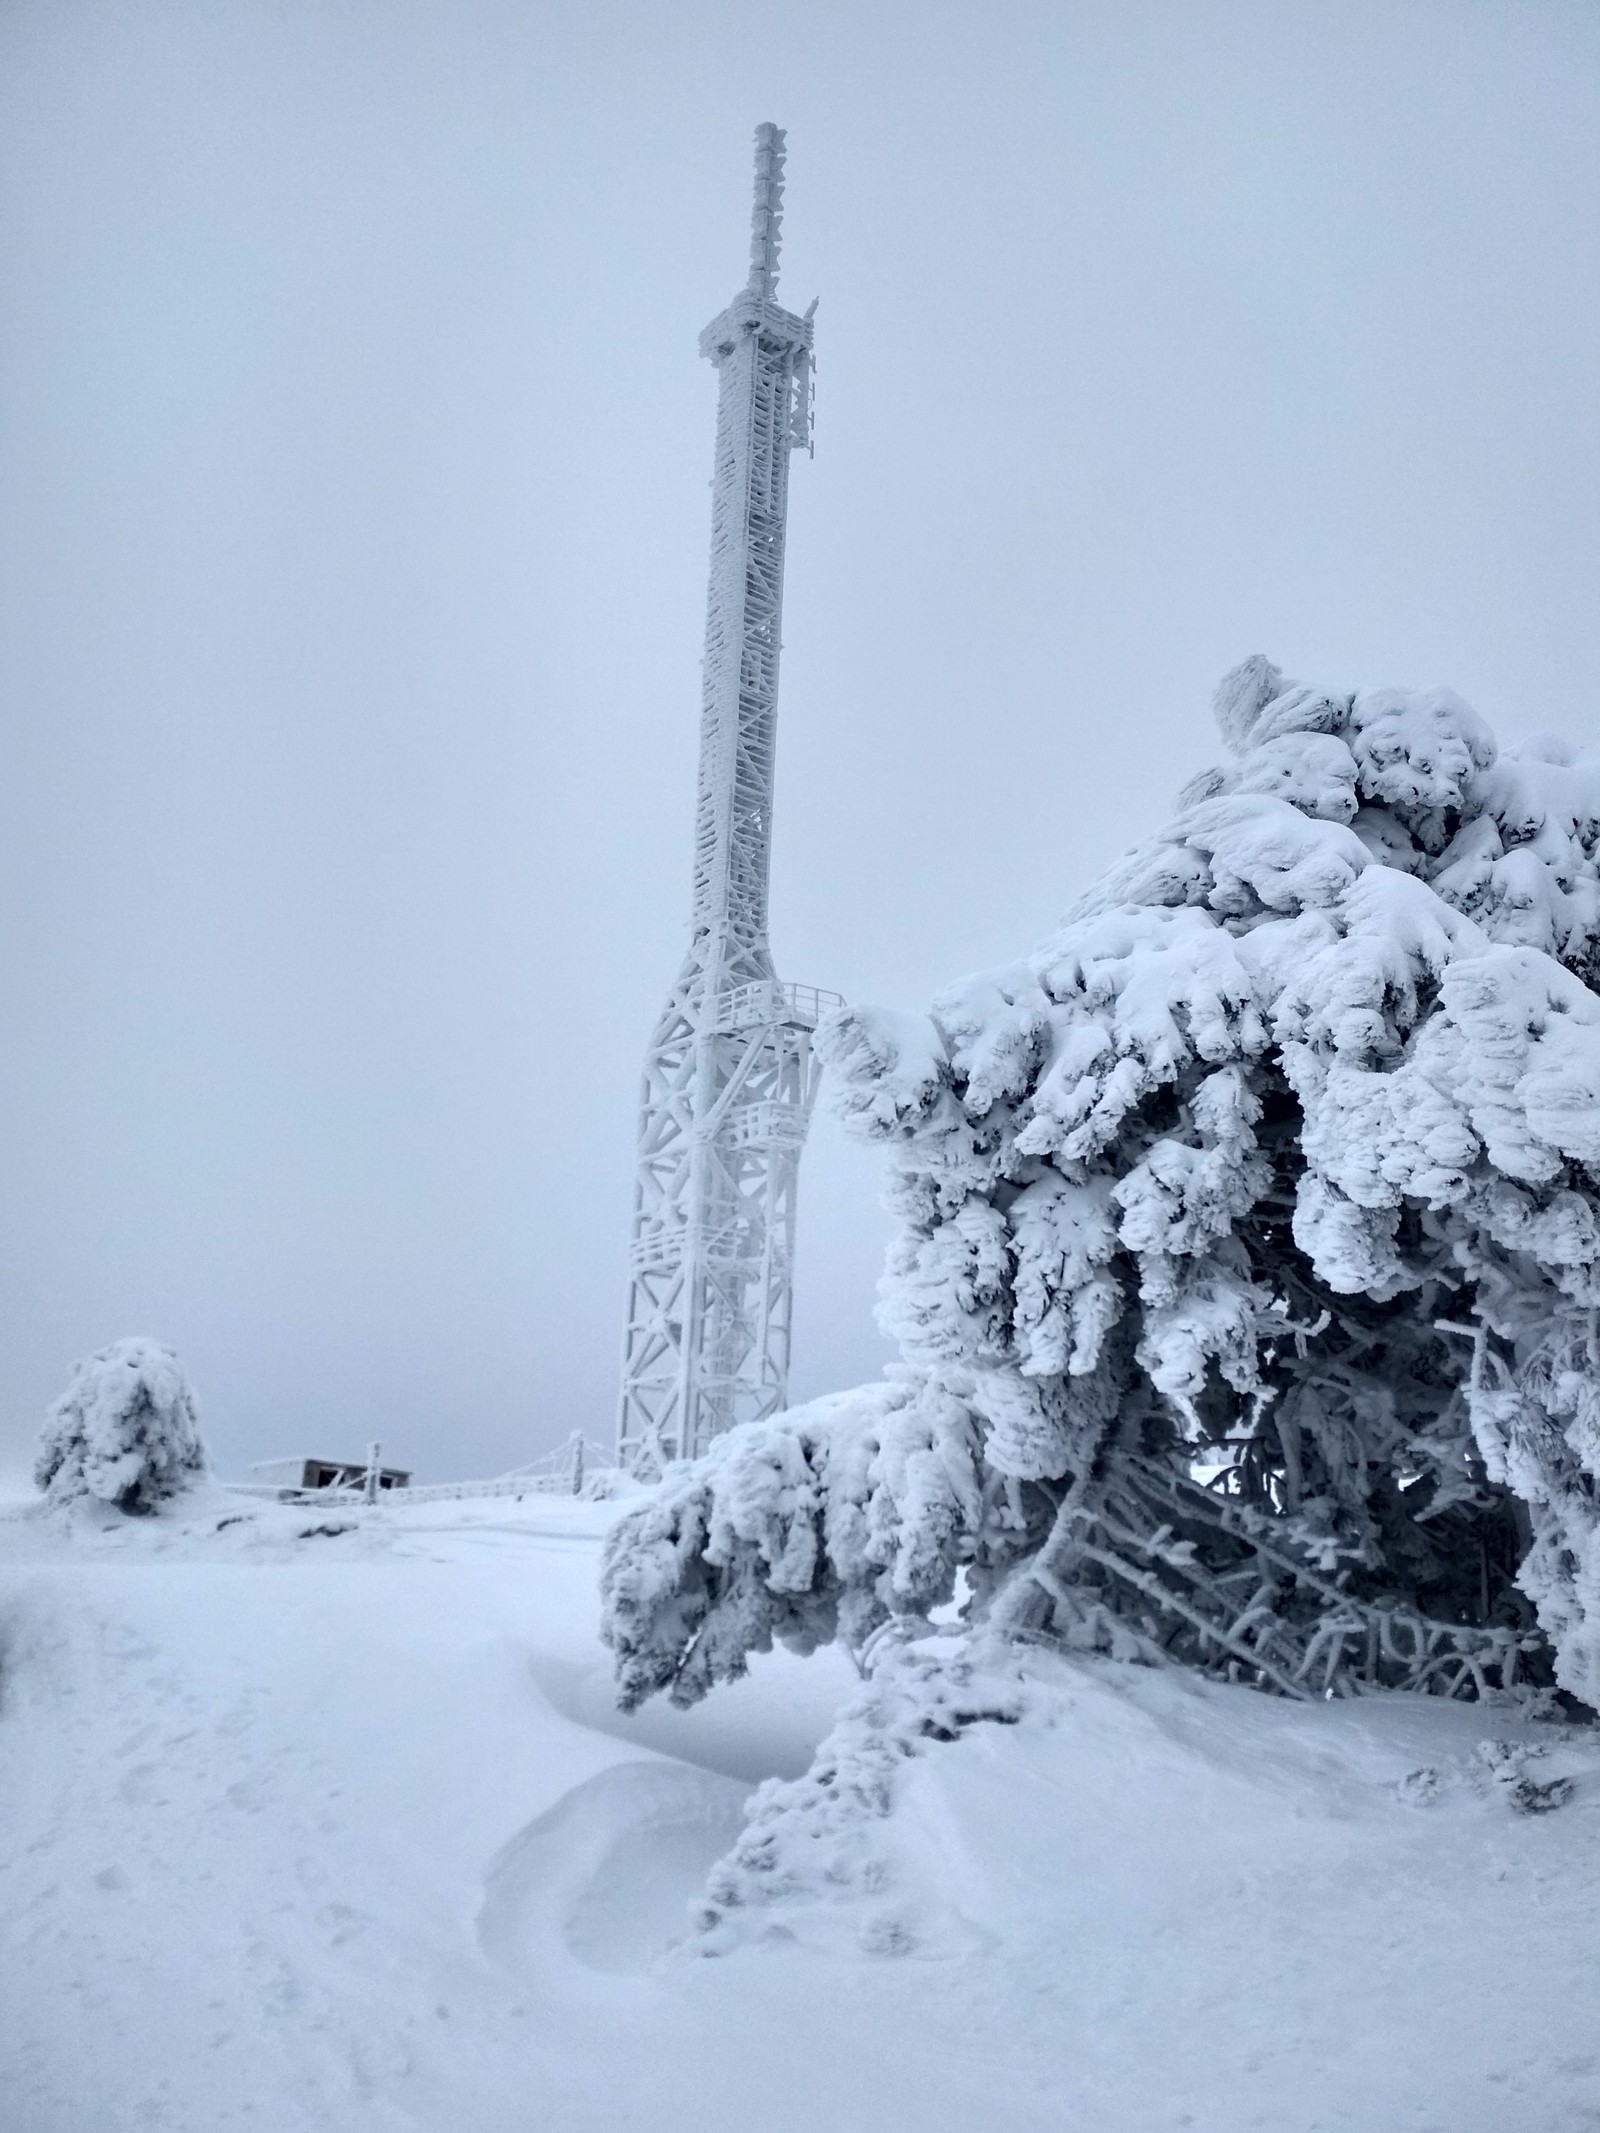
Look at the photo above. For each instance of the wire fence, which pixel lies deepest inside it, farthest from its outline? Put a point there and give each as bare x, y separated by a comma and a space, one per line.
579, 1467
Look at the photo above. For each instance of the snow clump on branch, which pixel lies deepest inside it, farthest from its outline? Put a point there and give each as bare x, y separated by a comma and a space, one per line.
1247, 1278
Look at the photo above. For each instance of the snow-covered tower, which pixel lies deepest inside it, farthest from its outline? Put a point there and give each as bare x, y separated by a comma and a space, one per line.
729, 1078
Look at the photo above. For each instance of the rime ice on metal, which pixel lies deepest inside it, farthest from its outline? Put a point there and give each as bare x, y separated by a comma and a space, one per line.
729, 1078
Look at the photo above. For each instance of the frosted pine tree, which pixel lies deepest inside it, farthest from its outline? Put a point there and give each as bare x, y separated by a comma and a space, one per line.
125, 1432
1247, 1280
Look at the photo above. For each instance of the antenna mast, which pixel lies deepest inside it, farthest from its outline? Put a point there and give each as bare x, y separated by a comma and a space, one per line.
729, 1078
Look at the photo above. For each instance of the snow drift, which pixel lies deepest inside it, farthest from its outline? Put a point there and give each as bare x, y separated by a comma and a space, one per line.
294, 1836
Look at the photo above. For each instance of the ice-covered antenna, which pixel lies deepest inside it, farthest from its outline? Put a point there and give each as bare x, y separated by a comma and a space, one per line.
767, 214
730, 1076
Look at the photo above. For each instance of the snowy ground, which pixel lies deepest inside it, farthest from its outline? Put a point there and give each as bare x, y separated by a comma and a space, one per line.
338, 1829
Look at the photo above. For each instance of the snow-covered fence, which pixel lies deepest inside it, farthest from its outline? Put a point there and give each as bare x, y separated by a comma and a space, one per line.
573, 1469
577, 1468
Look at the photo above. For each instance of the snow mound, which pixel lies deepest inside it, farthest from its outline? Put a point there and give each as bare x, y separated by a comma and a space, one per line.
1097, 1821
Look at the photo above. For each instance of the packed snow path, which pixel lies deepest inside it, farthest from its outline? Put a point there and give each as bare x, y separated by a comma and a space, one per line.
328, 1823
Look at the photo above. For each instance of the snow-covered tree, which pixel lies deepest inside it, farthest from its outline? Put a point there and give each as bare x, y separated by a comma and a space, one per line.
125, 1431
1248, 1272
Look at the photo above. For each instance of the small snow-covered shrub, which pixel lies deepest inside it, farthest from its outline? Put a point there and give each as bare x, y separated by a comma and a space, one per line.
124, 1432
1248, 1269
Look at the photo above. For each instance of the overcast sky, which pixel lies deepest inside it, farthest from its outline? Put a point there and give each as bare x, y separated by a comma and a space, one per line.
353, 520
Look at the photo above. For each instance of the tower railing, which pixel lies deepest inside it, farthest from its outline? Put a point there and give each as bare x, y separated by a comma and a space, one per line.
772, 1000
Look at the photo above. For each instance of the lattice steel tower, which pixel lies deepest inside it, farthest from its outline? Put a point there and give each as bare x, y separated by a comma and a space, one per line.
729, 1078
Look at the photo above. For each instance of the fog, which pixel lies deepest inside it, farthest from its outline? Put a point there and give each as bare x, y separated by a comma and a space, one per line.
353, 504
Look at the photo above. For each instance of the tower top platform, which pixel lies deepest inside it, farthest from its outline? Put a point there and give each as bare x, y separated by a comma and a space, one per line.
752, 313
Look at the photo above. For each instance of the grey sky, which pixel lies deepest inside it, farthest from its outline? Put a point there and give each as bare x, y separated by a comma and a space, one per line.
353, 513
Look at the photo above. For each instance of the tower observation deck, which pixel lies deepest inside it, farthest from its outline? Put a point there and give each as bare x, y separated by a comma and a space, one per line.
729, 1078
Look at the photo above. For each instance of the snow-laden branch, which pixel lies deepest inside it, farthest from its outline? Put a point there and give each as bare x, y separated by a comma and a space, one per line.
1191, 1203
